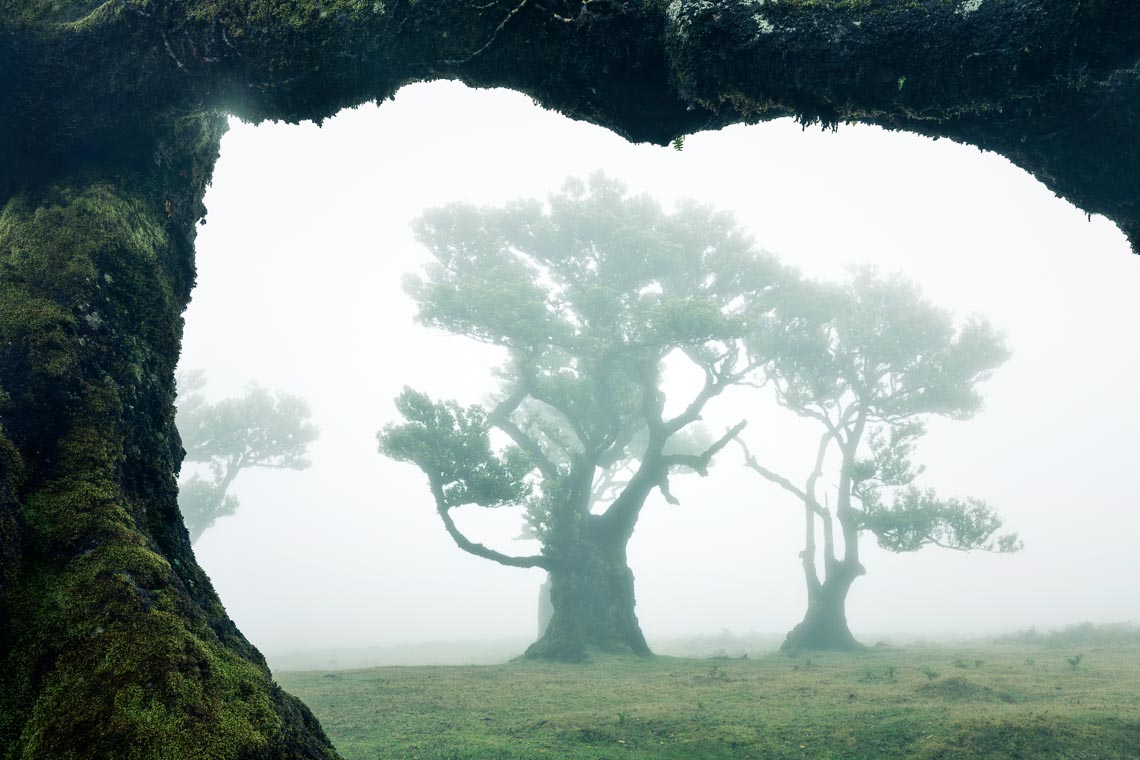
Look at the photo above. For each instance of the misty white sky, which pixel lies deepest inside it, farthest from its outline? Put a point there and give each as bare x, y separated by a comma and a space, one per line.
299, 289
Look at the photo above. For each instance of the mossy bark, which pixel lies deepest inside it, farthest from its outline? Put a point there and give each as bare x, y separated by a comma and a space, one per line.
112, 640
1048, 83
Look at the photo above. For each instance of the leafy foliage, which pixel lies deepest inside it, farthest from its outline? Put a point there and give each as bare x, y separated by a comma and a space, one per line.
588, 295
868, 361
257, 429
875, 341
452, 445
918, 517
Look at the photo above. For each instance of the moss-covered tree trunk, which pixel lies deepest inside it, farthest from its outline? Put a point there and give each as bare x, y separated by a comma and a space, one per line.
592, 596
112, 641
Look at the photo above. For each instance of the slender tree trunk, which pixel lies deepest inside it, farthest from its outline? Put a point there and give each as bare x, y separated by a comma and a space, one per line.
112, 640
591, 592
824, 626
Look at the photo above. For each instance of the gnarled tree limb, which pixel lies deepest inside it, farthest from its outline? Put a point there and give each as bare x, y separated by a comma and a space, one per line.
1050, 84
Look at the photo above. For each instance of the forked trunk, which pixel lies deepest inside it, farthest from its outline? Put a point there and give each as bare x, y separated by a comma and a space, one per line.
824, 626
593, 603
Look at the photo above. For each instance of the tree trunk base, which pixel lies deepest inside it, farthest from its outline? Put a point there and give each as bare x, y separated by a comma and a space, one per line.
824, 627
817, 638
593, 605
568, 647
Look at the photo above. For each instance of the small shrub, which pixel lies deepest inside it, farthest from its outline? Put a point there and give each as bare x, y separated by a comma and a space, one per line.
959, 689
886, 674
930, 673
1075, 660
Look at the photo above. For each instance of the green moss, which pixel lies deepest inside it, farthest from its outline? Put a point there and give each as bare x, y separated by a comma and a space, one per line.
48, 11
111, 649
11, 475
132, 678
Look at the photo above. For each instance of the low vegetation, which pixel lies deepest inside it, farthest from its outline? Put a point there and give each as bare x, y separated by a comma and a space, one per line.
1021, 701
1081, 635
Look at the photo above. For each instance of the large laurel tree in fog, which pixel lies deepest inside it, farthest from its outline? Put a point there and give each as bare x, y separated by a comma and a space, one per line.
588, 296
866, 362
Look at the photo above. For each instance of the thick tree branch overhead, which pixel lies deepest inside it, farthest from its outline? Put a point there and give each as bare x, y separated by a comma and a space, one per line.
1051, 84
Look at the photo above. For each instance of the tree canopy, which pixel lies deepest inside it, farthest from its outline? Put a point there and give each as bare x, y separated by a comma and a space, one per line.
868, 361
588, 296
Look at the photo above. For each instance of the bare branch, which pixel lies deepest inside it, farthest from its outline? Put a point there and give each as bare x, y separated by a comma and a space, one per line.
490, 40
500, 417
699, 463
717, 378
773, 477
663, 487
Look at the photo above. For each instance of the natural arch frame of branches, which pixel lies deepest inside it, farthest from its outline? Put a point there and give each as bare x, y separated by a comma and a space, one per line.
111, 114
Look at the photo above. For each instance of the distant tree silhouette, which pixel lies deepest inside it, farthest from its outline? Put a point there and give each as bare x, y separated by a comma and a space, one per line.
867, 361
588, 297
258, 429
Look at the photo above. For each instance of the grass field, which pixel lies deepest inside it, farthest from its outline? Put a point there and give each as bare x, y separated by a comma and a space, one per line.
993, 701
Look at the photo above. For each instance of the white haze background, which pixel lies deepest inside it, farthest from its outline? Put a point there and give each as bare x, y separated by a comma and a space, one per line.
299, 289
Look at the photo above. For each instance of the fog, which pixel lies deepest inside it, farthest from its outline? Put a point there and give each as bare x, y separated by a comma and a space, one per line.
299, 289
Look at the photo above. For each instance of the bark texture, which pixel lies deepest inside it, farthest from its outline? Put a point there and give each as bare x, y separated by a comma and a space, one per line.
592, 595
113, 642
1051, 84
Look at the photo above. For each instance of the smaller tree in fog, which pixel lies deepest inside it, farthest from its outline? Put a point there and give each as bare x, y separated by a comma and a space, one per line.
588, 297
867, 362
257, 429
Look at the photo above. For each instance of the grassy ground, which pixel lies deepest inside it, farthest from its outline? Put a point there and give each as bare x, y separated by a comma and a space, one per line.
997, 701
